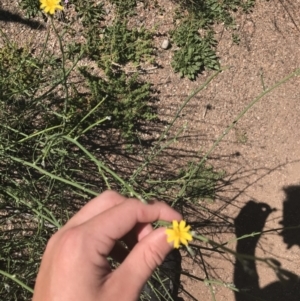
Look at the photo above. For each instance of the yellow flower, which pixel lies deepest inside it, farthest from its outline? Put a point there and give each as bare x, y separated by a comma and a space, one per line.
179, 233
49, 6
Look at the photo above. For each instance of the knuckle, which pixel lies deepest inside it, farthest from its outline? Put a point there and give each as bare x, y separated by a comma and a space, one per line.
110, 194
67, 241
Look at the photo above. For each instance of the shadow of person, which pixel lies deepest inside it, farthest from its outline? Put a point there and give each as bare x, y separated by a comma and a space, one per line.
251, 219
291, 216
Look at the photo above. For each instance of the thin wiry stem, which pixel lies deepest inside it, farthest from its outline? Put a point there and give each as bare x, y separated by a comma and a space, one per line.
13, 278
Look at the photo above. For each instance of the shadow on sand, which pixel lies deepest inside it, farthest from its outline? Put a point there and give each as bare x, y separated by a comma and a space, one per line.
252, 218
7, 16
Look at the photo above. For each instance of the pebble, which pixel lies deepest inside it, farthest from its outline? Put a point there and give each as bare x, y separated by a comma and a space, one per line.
165, 44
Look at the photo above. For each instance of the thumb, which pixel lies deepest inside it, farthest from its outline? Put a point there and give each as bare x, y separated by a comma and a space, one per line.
141, 262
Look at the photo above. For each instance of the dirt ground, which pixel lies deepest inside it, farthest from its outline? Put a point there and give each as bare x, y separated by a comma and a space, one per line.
261, 155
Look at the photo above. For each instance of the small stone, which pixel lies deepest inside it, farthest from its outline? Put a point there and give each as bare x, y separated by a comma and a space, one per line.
165, 44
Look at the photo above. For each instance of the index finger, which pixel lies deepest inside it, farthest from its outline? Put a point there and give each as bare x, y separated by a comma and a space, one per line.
111, 225
97, 205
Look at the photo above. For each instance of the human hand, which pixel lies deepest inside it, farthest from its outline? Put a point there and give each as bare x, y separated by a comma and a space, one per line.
75, 265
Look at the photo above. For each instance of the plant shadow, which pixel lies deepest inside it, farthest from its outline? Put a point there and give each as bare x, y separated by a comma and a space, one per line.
7, 16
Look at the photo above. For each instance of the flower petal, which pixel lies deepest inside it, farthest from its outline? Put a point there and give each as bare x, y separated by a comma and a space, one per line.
183, 241
171, 235
187, 236
176, 243
50, 6
187, 228
179, 234
175, 224
182, 225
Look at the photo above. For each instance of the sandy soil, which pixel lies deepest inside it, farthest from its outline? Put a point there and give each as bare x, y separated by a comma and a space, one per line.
261, 155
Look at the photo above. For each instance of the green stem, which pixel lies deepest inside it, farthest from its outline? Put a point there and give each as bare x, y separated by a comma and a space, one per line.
63, 62
13, 278
207, 280
235, 121
163, 135
53, 221
39, 133
52, 176
44, 45
13, 130
92, 125
86, 116
108, 170
247, 108
60, 80
228, 285
268, 261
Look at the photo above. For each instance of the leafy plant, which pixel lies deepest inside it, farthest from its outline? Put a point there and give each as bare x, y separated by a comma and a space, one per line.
125, 7
31, 7
201, 182
195, 53
126, 100
60, 128
246, 5
211, 11
90, 12
20, 73
122, 45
